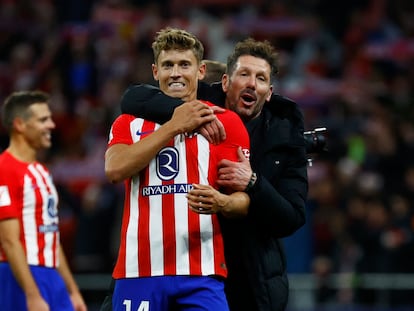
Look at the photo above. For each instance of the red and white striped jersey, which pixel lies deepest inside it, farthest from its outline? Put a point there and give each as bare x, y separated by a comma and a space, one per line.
160, 235
27, 193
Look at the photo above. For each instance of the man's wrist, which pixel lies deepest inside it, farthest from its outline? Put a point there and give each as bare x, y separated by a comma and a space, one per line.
252, 182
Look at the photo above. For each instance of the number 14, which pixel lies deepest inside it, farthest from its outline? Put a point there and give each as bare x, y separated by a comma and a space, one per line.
144, 305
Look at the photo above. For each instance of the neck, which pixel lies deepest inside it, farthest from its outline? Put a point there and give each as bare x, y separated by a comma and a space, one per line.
22, 151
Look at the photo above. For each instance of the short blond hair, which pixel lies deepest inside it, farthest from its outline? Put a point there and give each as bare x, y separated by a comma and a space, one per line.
180, 39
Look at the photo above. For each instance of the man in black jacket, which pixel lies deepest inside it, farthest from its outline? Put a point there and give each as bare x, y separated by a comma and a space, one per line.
275, 178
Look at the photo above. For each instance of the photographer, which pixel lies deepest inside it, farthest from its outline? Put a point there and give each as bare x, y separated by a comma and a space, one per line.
275, 178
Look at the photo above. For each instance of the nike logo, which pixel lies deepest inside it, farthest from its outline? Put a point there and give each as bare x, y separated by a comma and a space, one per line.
144, 133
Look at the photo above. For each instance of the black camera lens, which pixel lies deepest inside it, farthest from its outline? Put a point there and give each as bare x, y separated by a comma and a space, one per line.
315, 140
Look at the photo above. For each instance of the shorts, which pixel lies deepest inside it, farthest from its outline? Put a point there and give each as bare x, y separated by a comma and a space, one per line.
49, 282
162, 293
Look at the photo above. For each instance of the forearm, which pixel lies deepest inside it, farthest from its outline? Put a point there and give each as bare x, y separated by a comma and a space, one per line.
236, 205
280, 210
148, 102
16, 258
73, 289
204, 199
123, 161
66, 274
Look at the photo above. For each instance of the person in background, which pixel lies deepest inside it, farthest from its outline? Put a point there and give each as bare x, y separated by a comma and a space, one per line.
275, 178
171, 255
214, 71
34, 274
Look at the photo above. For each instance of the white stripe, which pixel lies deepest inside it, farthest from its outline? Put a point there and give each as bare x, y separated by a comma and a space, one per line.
29, 222
156, 225
134, 126
131, 243
156, 245
181, 213
206, 226
51, 194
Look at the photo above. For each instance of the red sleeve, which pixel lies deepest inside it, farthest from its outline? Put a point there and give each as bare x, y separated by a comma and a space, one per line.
11, 191
7, 207
120, 132
236, 136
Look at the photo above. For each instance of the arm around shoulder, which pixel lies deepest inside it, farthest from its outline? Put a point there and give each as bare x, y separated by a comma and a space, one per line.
148, 102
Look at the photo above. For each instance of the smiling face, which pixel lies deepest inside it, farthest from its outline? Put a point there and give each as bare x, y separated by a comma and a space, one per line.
178, 72
38, 126
248, 86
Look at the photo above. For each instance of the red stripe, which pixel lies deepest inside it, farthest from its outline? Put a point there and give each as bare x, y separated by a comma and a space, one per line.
42, 242
144, 255
193, 218
168, 224
144, 250
120, 269
219, 261
168, 229
38, 219
20, 205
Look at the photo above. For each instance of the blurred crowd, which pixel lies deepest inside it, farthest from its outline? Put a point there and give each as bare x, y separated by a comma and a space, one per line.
348, 64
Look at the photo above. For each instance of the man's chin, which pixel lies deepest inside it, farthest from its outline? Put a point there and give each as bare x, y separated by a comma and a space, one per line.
175, 93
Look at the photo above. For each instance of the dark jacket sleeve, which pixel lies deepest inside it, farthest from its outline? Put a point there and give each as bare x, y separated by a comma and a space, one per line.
279, 196
148, 102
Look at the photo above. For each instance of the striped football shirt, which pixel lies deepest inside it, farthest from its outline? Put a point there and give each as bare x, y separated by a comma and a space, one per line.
160, 235
27, 193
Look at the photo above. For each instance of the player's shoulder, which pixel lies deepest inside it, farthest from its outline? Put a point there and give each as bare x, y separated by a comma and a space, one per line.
11, 168
7, 161
226, 115
125, 119
230, 118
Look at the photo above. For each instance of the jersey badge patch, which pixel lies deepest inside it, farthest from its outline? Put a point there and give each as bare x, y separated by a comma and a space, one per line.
4, 196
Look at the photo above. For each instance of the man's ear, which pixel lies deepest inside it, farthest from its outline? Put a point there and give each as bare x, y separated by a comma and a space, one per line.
19, 124
225, 82
202, 71
154, 72
270, 93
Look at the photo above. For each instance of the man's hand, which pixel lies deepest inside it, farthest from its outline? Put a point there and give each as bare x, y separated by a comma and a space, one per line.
36, 303
191, 115
235, 175
78, 302
213, 131
204, 199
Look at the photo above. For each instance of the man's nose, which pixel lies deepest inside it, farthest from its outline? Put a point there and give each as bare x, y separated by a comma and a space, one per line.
52, 124
251, 82
175, 71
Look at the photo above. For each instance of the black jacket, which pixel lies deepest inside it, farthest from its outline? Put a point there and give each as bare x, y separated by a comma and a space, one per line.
254, 252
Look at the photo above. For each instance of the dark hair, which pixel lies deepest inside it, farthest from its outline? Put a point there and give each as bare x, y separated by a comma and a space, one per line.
173, 38
17, 104
260, 49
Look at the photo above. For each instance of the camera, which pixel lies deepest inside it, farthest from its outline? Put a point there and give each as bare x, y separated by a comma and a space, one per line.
315, 140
